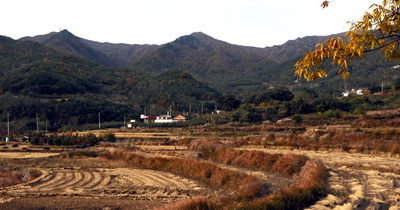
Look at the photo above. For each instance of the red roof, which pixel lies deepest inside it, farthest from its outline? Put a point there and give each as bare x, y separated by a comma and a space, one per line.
150, 117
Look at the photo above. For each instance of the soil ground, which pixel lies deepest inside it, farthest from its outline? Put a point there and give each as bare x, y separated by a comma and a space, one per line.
124, 185
355, 181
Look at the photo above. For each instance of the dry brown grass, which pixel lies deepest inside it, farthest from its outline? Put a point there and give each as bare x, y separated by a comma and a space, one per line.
287, 165
367, 141
195, 169
194, 204
308, 188
9, 177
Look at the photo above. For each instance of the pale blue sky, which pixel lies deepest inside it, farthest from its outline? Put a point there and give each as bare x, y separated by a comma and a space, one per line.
258, 23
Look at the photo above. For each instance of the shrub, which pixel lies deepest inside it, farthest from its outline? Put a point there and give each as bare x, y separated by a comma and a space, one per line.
297, 118
289, 164
395, 149
308, 188
9, 177
108, 136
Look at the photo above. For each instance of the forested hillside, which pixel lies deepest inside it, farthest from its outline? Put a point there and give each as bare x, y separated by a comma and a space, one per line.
71, 91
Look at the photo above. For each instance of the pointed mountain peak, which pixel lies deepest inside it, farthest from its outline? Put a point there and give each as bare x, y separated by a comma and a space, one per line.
61, 37
65, 31
201, 35
194, 39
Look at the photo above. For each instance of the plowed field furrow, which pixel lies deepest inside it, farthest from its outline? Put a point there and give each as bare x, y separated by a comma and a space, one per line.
69, 176
107, 183
97, 178
104, 181
135, 180
85, 176
78, 177
171, 183
87, 180
47, 177
159, 182
59, 176
124, 182
356, 181
147, 178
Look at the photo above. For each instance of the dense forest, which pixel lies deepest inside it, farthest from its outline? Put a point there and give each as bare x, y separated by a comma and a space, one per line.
67, 81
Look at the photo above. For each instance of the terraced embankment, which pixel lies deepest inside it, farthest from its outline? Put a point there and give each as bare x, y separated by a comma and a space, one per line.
356, 181
118, 183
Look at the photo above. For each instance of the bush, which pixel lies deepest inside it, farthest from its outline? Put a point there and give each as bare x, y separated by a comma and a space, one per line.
65, 139
108, 136
395, 149
297, 118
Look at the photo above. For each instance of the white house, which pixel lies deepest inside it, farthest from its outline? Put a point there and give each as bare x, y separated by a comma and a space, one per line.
164, 119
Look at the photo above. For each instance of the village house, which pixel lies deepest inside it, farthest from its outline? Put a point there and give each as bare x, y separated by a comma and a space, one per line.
180, 118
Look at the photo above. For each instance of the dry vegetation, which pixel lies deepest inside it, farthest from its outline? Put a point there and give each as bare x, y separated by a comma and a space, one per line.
342, 166
249, 192
12, 176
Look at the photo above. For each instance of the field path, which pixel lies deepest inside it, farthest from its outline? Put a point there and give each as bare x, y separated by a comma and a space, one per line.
355, 181
126, 183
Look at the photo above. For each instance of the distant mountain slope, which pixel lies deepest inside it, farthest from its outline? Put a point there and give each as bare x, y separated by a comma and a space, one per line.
14, 54
67, 43
124, 54
295, 48
229, 68
174, 87
364, 73
212, 61
28, 68
104, 53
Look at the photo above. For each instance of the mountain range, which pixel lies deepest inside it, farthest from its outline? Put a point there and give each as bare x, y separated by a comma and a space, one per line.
225, 67
71, 79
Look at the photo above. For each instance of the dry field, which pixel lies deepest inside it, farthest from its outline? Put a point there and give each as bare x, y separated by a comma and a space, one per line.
88, 186
23, 155
355, 181
118, 183
129, 133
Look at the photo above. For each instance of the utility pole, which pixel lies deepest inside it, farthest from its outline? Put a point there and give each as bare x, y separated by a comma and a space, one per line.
37, 122
202, 110
46, 125
8, 123
99, 121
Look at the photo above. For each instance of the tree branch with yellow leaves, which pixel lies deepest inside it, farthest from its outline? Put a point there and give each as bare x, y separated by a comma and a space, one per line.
378, 29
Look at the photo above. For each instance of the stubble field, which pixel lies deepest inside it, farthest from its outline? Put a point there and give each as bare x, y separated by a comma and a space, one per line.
209, 168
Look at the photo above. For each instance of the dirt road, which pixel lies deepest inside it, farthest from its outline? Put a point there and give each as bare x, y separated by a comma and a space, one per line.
356, 181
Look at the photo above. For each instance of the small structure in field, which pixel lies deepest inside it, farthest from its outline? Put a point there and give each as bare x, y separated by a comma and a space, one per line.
131, 123
180, 118
164, 119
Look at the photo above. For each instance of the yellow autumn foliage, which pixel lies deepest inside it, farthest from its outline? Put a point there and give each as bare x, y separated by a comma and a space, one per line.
378, 29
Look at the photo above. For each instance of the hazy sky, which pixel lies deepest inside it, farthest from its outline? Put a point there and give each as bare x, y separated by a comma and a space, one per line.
246, 22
